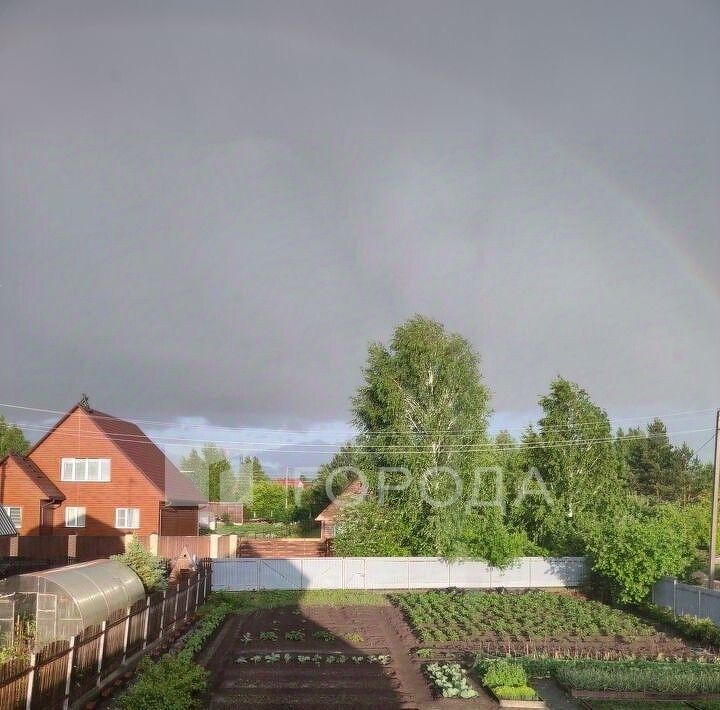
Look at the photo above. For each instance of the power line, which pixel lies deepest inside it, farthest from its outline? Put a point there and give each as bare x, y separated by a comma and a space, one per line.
329, 449
355, 432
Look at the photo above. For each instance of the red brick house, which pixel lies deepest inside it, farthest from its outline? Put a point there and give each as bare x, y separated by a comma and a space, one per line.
95, 474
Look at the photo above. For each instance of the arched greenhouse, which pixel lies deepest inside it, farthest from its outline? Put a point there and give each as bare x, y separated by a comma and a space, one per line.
65, 600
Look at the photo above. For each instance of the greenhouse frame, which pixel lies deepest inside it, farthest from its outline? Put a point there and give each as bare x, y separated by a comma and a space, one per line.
65, 600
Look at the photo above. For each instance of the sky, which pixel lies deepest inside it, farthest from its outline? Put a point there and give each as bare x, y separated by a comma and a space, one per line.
209, 209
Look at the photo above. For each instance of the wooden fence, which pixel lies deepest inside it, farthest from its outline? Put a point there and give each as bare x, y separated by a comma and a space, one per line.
65, 672
236, 511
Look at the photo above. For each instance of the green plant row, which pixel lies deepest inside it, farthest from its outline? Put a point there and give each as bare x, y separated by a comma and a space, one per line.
440, 616
270, 658
450, 680
514, 692
671, 678
173, 682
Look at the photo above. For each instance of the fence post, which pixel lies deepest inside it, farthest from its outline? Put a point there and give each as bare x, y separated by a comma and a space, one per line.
72, 547
162, 614
101, 650
68, 676
214, 546
147, 621
14, 544
31, 682
232, 545
126, 635
197, 591
177, 595
187, 599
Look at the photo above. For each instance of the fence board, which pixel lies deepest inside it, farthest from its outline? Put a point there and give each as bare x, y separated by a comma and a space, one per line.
687, 599
392, 573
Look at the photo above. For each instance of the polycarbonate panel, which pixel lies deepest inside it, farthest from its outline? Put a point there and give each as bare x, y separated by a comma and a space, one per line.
88, 592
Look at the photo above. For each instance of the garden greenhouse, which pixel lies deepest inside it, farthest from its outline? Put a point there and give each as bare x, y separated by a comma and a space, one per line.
65, 600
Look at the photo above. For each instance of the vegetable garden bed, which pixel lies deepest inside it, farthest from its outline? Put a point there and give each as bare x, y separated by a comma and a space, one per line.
536, 622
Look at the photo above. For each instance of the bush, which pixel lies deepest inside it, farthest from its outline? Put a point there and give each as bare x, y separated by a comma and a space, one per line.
504, 673
149, 568
514, 692
702, 630
629, 555
368, 529
169, 684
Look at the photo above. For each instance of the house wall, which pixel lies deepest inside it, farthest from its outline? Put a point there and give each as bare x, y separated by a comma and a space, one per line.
179, 521
17, 489
79, 437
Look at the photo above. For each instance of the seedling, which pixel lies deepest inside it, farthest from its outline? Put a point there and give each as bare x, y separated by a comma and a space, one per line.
324, 636
295, 635
354, 637
241, 659
246, 638
268, 636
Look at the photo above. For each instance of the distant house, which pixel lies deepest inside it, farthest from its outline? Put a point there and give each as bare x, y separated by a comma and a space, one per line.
292, 483
329, 516
95, 474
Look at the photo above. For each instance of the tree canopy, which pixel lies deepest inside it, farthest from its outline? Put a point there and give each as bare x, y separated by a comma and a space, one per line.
12, 439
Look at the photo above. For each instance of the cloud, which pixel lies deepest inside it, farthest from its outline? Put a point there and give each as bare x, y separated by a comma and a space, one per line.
209, 213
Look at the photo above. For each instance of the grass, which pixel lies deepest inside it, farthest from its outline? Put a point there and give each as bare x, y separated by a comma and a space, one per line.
269, 530
439, 616
247, 601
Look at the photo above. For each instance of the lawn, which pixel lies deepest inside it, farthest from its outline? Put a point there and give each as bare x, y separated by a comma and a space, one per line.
441, 617
269, 530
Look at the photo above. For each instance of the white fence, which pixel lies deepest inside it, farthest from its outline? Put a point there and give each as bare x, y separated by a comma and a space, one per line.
251, 574
687, 599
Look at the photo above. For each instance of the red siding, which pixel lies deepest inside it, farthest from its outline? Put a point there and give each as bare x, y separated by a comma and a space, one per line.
17, 489
79, 437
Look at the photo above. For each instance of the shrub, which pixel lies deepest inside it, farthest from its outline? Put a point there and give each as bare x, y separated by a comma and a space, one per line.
504, 673
514, 692
629, 555
149, 568
169, 684
703, 630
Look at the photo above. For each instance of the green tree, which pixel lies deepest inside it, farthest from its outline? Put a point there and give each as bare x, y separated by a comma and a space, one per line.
268, 501
574, 452
12, 439
149, 568
211, 472
424, 408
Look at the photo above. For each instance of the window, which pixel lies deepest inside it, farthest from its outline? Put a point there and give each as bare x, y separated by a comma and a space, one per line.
15, 514
74, 517
85, 470
127, 517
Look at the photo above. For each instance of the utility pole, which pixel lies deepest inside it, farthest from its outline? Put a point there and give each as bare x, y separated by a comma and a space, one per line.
716, 492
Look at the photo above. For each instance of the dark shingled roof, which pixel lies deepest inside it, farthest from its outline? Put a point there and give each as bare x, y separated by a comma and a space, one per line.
48, 488
352, 492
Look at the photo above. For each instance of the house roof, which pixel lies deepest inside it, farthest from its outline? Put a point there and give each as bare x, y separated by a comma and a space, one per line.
7, 529
48, 488
352, 492
148, 458
290, 482
143, 453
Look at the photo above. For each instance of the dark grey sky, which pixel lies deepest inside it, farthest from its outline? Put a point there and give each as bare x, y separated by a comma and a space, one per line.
208, 209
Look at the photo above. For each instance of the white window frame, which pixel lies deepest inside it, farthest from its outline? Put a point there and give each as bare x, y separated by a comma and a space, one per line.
8, 509
125, 513
75, 515
101, 466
